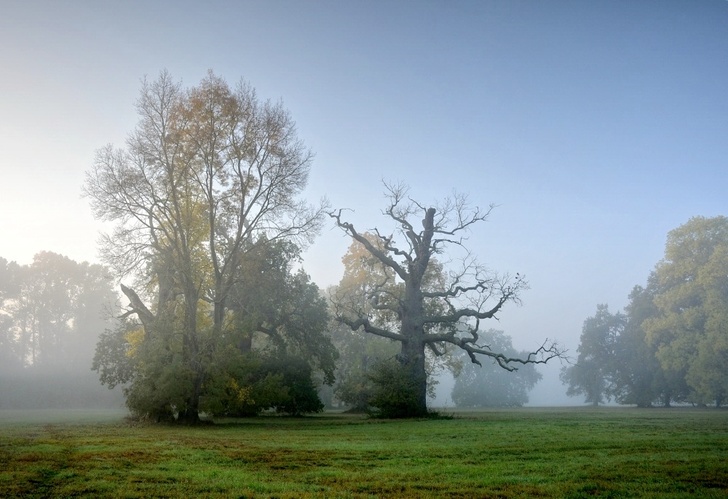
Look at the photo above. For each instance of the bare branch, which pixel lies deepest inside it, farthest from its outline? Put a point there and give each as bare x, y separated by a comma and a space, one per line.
546, 352
370, 328
376, 252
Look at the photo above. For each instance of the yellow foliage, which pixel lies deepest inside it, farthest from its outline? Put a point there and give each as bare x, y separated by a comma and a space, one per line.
241, 395
134, 338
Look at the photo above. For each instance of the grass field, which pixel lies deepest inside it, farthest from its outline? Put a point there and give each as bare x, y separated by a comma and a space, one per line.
501, 453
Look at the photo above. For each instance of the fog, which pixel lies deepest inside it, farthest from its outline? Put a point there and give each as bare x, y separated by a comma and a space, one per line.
30, 389
594, 127
52, 312
548, 392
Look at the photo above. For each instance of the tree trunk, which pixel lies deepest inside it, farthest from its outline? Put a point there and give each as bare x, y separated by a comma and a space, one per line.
412, 357
412, 354
191, 355
245, 344
191, 414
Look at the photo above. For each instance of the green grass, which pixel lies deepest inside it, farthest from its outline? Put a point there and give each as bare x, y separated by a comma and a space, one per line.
508, 453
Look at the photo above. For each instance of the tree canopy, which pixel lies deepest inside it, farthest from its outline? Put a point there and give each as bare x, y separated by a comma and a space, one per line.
591, 375
690, 328
209, 176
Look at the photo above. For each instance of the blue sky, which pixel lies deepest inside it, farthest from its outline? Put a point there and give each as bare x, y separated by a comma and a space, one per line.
596, 127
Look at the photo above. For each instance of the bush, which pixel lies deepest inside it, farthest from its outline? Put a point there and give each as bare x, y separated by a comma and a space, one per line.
284, 384
395, 391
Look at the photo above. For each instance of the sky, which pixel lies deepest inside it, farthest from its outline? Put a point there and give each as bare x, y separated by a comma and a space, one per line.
594, 127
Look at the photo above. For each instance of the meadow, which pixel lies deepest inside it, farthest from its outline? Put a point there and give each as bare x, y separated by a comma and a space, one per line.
571, 452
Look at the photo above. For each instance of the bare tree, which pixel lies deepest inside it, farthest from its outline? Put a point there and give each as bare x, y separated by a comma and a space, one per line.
432, 313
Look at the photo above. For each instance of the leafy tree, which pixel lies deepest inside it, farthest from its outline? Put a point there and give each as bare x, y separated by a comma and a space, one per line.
207, 172
359, 352
638, 377
431, 315
259, 382
592, 374
690, 329
394, 391
282, 310
264, 361
489, 385
301, 396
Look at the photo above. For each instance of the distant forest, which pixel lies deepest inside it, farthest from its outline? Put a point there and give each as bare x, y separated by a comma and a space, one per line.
52, 313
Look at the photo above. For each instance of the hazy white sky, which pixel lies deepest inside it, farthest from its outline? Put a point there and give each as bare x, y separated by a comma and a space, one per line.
596, 126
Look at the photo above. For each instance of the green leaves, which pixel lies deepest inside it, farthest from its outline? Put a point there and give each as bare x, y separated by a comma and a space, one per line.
592, 374
690, 328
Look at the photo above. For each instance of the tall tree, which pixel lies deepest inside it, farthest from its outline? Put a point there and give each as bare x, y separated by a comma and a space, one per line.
592, 374
690, 329
432, 314
489, 385
206, 173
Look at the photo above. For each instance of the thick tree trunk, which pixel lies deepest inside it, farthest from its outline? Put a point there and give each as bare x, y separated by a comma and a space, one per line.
412, 357
412, 354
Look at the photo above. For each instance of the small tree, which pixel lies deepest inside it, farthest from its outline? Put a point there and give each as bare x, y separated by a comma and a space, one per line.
427, 313
359, 352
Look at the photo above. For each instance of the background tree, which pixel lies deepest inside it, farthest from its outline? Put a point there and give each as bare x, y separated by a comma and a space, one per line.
432, 315
207, 172
360, 352
60, 308
638, 377
51, 314
489, 385
690, 329
10, 356
281, 318
592, 375
281, 310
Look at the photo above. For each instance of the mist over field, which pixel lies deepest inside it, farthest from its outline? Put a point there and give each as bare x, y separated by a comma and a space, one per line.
236, 208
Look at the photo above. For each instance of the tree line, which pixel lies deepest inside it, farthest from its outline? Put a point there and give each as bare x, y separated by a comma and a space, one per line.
670, 345
52, 312
208, 225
